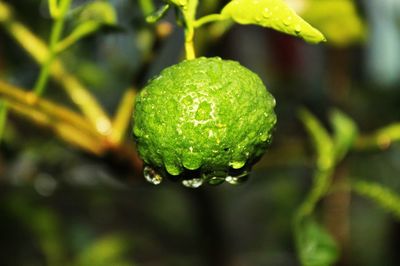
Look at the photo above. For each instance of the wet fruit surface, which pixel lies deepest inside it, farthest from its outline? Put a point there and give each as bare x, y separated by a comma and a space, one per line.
204, 118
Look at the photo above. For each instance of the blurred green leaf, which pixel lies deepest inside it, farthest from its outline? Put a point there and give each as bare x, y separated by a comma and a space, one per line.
53, 8
386, 198
109, 250
45, 224
345, 133
99, 11
157, 15
275, 14
90, 18
317, 247
338, 20
3, 117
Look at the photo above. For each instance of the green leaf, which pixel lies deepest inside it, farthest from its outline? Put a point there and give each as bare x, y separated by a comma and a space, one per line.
386, 198
109, 250
338, 20
275, 14
345, 133
315, 244
99, 11
157, 15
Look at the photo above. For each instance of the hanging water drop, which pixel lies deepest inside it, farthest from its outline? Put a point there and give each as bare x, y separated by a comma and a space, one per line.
237, 179
192, 183
151, 175
288, 21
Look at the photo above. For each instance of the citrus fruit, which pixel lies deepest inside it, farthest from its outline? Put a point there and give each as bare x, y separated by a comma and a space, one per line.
205, 119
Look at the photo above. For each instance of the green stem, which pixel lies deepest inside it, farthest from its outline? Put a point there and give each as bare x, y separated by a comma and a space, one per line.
189, 16
208, 19
123, 116
36, 48
382, 138
322, 178
54, 38
319, 189
80, 32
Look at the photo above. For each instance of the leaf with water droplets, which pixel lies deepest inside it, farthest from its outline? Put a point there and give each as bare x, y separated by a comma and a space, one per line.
275, 14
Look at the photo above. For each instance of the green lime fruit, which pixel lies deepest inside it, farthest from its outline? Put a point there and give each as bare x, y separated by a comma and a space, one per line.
205, 119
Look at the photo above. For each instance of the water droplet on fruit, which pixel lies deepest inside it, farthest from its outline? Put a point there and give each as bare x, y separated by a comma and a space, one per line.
237, 164
297, 29
192, 183
151, 175
266, 12
287, 21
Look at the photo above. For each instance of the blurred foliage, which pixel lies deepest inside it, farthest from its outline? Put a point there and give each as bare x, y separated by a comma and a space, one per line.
338, 20
62, 206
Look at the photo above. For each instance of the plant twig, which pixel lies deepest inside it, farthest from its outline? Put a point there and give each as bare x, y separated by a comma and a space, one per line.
381, 139
123, 116
208, 19
80, 32
189, 16
38, 50
55, 36
65, 131
30, 100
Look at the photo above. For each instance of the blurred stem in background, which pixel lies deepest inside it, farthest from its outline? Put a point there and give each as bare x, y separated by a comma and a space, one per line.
38, 50
93, 130
58, 13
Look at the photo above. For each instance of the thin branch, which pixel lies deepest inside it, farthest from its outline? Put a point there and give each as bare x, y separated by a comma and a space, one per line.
55, 36
381, 139
38, 50
208, 19
16, 94
123, 116
64, 131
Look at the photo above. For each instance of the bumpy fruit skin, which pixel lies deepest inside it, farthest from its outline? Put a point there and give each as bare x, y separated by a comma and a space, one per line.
206, 114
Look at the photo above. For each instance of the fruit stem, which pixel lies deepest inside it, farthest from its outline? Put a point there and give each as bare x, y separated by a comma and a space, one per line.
189, 49
189, 16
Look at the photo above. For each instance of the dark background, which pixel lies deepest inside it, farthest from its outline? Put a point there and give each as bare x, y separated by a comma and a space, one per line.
60, 206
